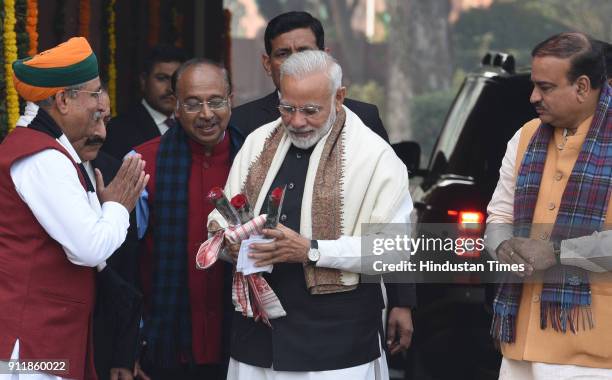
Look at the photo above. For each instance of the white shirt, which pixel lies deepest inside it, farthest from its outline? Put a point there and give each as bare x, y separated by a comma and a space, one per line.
158, 117
592, 253
345, 253
48, 183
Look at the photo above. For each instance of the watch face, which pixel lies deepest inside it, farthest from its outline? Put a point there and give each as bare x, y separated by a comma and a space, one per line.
313, 255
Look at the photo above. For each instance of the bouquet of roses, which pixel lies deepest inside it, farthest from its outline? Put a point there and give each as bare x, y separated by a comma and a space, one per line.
217, 197
250, 292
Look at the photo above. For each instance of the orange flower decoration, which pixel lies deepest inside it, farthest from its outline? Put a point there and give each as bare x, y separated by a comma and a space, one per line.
31, 25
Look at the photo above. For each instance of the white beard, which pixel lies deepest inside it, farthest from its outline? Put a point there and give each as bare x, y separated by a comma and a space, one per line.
307, 142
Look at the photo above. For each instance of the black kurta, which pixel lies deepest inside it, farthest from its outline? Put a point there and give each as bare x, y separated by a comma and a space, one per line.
320, 332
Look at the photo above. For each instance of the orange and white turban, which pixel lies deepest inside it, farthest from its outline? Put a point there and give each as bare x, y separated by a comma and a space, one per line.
45, 74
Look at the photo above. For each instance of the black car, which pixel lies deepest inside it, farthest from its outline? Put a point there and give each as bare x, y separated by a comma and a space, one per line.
451, 339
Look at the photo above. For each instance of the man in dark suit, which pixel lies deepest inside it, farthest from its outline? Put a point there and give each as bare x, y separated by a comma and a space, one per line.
147, 119
118, 301
286, 34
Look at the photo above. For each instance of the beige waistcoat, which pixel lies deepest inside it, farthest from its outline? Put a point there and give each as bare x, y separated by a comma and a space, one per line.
589, 348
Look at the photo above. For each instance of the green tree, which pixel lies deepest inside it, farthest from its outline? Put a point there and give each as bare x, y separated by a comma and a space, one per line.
516, 26
419, 60
511, 27
590, 16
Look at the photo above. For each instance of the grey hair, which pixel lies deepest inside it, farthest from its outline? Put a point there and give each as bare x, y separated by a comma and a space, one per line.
48, 103
305, 63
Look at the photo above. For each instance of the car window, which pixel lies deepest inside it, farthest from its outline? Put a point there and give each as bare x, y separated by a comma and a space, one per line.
458, 115
483, 118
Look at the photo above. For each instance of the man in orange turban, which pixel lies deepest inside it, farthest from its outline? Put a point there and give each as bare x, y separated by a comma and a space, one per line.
60, 228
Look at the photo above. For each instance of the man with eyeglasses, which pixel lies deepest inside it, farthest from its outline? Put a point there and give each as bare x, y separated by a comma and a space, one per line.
150, 117
183, 306
338, 174
118, 303
56, 231
286, 34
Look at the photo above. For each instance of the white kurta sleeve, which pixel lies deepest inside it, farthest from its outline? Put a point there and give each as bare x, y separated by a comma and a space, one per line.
501, 207
593, 252
48, 183
345, 253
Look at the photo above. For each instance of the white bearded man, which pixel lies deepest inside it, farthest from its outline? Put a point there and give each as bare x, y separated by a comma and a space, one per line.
338, 175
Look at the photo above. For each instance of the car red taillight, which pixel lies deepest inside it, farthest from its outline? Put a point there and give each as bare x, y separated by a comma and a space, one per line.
471, 220
470, 226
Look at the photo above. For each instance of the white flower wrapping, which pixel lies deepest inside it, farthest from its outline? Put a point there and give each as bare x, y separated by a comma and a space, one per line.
265, 305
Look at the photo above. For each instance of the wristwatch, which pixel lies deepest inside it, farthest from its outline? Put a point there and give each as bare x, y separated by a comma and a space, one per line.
313, 253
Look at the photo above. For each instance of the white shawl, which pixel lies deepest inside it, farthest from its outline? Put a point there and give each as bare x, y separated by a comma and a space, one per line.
373, 183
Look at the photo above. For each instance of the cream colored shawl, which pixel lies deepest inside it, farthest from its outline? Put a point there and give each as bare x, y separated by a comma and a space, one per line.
353, 177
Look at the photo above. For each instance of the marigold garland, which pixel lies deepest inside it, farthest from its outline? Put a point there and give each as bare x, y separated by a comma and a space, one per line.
3, 116
31, 25
10, 56
84, 18
112, 69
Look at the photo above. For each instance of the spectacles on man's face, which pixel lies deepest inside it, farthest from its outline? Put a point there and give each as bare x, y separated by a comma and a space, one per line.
309, 110
94, 94
194, 106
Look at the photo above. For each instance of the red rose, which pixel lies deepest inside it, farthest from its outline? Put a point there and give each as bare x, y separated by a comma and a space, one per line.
215, 193
277, 195
239, 201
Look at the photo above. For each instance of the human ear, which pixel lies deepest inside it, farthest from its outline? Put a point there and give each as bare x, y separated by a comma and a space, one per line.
265, 62
583, 88
340, 95
61, 102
